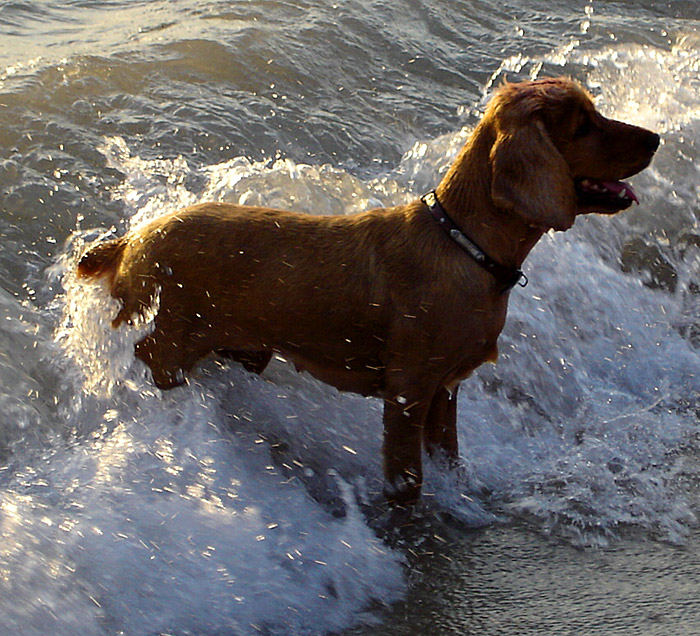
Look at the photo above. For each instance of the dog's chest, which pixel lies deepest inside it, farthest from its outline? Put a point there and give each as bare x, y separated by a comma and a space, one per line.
486, 351
475, 343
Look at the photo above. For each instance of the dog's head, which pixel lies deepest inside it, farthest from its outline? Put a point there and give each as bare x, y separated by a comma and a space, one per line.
555, 156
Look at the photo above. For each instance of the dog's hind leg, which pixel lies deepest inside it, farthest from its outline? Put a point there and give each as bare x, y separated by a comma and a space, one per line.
163, 359
170, 351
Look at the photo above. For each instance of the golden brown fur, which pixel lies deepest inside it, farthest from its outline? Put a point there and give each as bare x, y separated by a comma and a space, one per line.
382, 303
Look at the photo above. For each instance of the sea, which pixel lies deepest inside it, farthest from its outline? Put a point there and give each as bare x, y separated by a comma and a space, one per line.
239, 504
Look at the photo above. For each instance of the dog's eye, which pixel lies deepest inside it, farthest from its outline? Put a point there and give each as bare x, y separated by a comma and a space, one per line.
583, 128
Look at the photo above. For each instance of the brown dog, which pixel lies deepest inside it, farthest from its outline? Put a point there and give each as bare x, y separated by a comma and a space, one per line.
401, 303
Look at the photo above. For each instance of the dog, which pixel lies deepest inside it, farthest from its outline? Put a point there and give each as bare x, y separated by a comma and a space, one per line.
402, 303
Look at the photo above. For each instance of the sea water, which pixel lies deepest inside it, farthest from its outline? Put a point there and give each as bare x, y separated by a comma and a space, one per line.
239, 504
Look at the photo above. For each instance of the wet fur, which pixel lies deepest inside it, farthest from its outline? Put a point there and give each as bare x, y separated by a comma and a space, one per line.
381, 303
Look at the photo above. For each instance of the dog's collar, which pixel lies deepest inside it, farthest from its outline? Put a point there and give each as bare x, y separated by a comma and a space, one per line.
506, 276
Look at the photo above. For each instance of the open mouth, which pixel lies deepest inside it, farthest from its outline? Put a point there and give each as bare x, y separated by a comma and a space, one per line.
608, 196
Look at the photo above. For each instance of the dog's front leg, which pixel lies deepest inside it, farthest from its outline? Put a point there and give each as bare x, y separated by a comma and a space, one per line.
441, 424
404, 418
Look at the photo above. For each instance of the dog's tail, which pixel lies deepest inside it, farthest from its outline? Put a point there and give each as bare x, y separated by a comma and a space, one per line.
102, 259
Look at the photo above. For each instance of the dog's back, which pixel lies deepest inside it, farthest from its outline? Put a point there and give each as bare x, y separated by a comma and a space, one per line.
315, 288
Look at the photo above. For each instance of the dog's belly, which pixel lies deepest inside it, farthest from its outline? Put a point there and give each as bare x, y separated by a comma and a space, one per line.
363, 376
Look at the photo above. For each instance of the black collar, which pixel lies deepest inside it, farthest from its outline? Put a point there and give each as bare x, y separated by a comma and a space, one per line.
508, 277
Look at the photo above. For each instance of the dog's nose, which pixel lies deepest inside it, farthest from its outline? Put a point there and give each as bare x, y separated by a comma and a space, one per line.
651, 141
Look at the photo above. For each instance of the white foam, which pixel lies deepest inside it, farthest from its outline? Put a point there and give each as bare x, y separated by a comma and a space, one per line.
168, 518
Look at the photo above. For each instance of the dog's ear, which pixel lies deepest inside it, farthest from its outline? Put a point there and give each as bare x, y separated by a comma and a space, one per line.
530, 176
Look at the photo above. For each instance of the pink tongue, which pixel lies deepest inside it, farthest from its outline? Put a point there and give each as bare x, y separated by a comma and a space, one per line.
616, 187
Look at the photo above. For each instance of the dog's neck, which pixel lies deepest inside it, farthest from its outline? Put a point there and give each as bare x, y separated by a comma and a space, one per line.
465, 193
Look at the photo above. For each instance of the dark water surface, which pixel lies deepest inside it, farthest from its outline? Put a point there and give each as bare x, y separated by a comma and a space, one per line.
234, 505
508, 580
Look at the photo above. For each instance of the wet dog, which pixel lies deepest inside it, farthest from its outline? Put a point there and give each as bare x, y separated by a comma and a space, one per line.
402, 303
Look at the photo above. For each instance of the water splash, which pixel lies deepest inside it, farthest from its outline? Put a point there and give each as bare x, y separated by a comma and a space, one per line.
644, 85
103, 355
